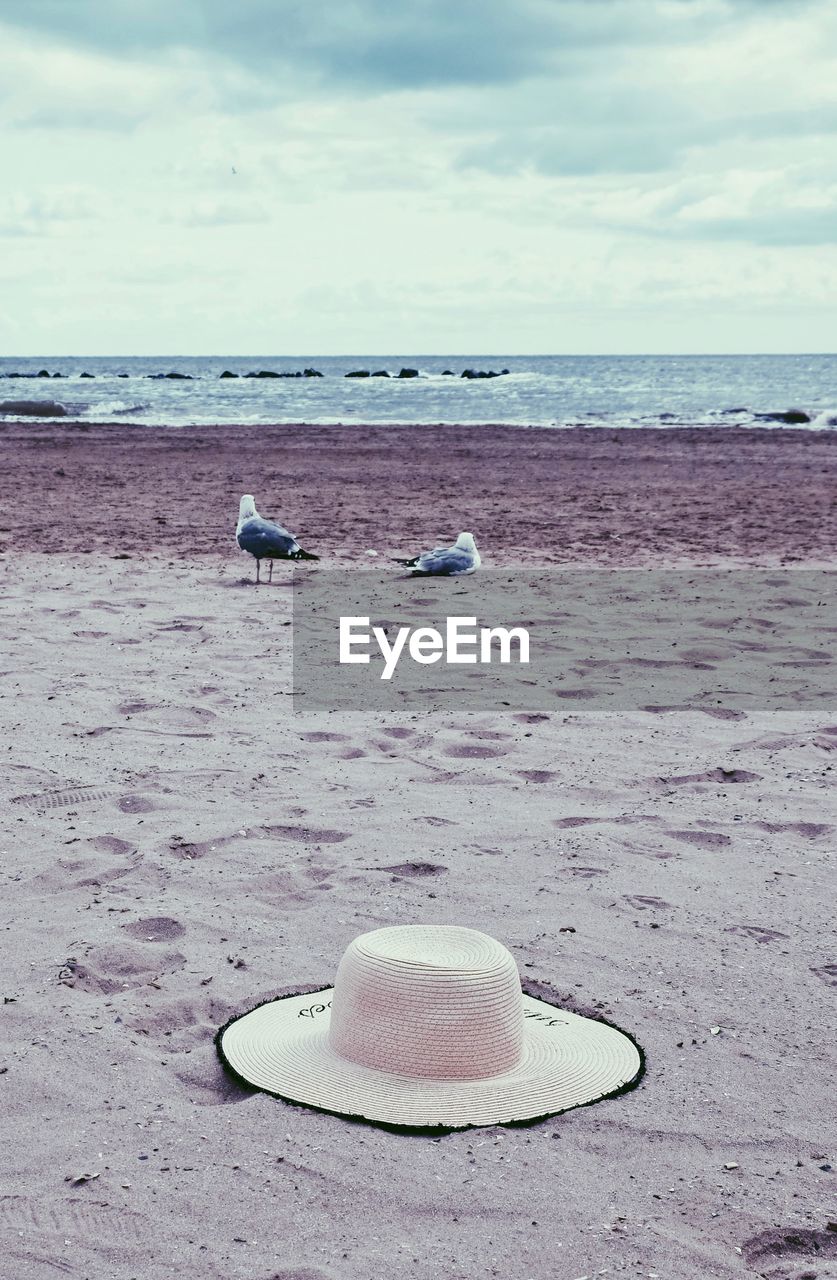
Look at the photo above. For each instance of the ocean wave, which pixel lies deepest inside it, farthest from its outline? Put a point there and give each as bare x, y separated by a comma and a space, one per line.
115, 409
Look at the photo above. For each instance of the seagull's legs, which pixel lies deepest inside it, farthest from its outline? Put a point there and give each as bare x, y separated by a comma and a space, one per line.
258, 570
270, 572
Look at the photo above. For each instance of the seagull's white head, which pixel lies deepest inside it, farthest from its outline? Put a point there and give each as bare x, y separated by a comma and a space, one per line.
247, 507
465, 542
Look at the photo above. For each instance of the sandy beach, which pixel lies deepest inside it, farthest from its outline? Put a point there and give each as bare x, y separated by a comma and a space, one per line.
180, 843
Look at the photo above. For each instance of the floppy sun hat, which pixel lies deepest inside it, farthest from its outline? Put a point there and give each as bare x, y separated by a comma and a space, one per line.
426, 1026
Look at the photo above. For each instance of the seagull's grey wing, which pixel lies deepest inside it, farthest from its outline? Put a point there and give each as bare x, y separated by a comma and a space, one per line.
262, 539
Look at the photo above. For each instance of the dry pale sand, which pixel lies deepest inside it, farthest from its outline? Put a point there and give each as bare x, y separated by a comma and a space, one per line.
179, 843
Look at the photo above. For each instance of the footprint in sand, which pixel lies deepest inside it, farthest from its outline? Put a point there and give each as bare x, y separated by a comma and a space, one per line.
135, 804
192, 850
772, 742
64, 799
413, 870
474, 751
155, 929
530, 717
168, 721
644, 902
291, 888
781, 1253
49, 1221
184, 1029
454, 778
811, 830
128, 873
83, 873
715, 713
135, 708
111, 844
307, 835
587, 873
712, 775
30, 1263
536, 775
647, 846
756, 931
294, 886
109, 969
433, 821
827, 973
564, 824
703, 839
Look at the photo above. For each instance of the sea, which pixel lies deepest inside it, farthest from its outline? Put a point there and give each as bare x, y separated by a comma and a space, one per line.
545, 391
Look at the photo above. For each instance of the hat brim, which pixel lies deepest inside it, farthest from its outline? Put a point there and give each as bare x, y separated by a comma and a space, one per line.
281, 1047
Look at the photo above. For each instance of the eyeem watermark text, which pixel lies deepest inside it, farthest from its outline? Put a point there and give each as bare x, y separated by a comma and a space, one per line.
461, 642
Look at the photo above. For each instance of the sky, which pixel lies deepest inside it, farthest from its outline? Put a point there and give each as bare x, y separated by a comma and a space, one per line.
439, 176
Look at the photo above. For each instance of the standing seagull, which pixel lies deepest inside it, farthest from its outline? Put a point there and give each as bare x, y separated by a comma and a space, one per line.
265, 540
462, 557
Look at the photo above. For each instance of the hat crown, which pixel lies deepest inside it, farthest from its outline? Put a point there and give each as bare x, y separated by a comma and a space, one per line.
431, 1001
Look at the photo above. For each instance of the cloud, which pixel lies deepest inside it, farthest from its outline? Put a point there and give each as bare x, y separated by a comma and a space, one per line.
209, 212
363, 42
46, 211
376, 44
779, 209
787, 207
518, 159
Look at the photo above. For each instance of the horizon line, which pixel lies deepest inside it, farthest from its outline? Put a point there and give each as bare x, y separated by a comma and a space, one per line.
400, 355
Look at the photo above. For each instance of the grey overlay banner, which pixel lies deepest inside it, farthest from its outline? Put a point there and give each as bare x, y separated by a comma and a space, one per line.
599, 640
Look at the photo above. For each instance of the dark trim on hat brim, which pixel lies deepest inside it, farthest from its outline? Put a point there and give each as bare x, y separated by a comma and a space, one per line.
440, 1130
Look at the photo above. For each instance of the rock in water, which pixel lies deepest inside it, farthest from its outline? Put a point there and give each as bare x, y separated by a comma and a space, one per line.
791, 416
34, 408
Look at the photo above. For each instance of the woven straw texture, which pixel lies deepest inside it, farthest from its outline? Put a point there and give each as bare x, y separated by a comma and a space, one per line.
426, 1026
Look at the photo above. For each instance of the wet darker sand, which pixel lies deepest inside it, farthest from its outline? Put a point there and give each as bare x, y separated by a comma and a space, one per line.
632, 497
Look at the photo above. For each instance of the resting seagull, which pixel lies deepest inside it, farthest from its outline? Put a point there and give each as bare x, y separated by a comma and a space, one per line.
265, 540
462, 557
